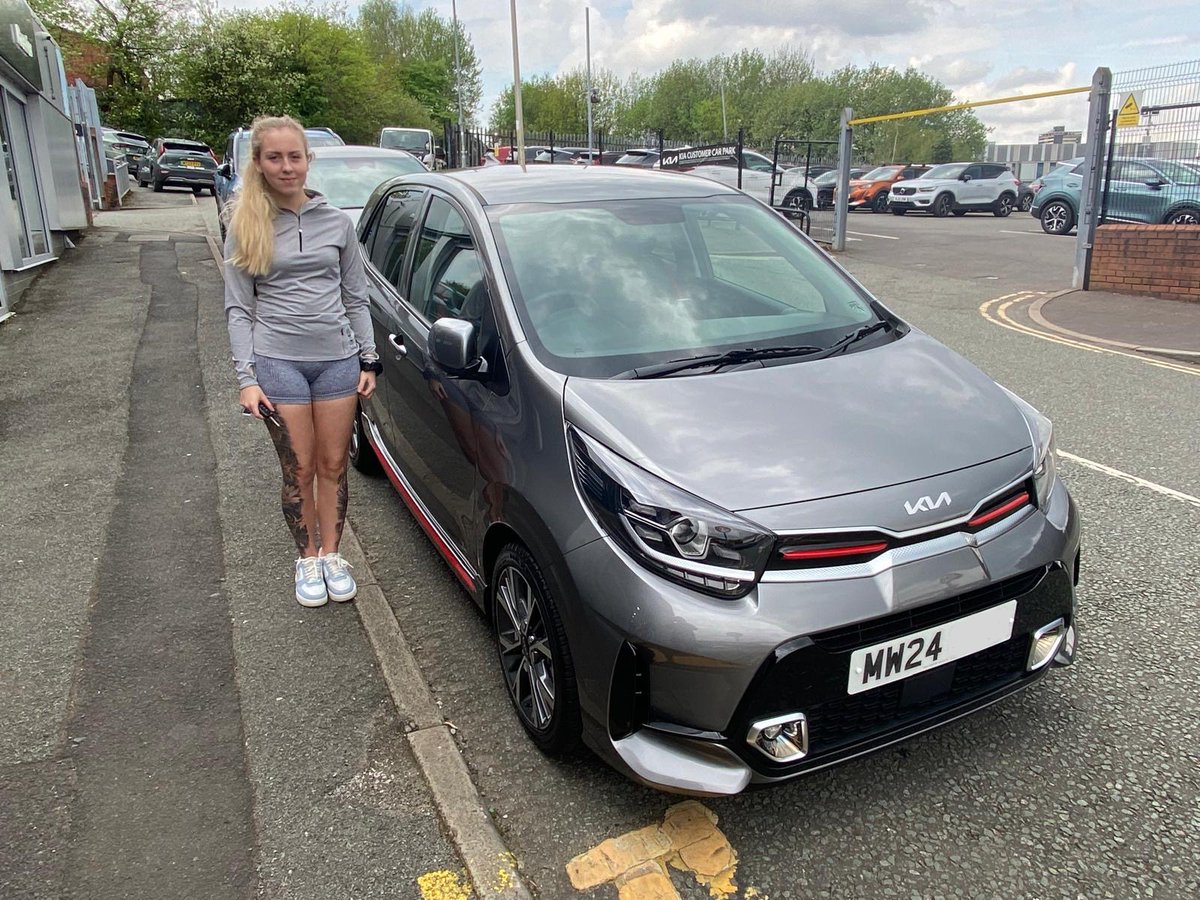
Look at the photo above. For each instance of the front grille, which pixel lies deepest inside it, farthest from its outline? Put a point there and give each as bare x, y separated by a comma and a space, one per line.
875, 631
904, 191
851, 717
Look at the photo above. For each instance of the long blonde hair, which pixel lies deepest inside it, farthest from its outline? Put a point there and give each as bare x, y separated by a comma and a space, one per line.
252, 218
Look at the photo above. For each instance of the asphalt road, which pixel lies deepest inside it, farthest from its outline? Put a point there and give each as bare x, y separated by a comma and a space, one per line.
1085, 786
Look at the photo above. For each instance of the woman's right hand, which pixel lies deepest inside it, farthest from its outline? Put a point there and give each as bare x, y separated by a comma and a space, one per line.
250, 397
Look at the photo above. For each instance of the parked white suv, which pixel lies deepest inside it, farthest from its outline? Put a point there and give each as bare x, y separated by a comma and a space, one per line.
958, 188
792, 189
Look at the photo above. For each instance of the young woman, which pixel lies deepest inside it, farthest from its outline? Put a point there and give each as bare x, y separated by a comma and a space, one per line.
300, 332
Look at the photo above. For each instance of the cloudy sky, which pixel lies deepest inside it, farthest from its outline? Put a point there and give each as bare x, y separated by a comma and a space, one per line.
980, 48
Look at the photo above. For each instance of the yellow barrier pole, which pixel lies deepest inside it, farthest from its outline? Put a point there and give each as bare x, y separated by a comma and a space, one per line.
914, 113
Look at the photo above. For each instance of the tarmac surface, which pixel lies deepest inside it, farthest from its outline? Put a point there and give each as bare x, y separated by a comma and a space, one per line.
172, 724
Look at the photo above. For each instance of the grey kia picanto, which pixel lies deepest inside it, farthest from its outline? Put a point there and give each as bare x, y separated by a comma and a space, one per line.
732, 520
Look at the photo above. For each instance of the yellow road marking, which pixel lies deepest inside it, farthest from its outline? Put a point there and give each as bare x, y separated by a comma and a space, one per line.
996, 312
442, 885
636, 862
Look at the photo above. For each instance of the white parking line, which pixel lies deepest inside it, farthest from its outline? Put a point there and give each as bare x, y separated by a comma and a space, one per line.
1132, 479
886, 237
1035, 233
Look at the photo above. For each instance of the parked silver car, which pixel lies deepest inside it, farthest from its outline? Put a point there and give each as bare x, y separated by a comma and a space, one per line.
731, 519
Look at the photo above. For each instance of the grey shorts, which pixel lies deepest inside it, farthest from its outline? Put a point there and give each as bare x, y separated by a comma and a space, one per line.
306, 381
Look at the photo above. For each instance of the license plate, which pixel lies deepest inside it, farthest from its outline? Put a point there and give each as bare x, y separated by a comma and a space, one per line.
871, 667
191, 163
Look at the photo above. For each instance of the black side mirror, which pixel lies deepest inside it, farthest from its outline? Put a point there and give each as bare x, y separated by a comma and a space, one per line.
454, 346
1155, 184
225, 170
964, 177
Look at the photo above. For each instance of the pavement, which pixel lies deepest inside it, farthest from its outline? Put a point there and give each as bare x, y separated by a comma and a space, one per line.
1147, 324
172, 723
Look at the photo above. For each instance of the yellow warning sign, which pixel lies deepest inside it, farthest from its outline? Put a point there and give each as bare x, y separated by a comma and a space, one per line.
1130, 113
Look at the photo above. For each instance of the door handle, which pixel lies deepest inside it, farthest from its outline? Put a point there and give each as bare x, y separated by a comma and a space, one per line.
397, 342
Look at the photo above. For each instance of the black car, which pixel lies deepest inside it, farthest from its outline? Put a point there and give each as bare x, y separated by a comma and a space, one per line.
181, 168
827, 181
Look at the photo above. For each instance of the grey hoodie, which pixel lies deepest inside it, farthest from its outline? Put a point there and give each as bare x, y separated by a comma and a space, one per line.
312, 305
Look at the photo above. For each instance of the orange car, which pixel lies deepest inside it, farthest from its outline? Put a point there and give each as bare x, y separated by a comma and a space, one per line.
871, 191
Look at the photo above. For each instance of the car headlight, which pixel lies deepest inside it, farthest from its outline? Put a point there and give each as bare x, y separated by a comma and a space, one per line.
1047, 467
669, 531
924, 190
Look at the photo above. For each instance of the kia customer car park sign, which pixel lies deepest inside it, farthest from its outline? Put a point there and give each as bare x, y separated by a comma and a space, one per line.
697, 156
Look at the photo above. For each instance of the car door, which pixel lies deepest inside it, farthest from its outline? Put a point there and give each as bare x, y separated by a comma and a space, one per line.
1130, 197
974, 191
433, 412
386, 241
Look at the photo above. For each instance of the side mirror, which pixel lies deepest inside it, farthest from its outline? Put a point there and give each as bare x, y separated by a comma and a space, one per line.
225, 170
454, 346
964, 177
1155, 184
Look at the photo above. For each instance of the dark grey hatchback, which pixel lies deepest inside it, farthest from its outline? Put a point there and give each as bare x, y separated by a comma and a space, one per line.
731, 519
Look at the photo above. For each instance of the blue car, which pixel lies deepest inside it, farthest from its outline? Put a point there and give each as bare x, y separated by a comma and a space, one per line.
1146, 191
237, 151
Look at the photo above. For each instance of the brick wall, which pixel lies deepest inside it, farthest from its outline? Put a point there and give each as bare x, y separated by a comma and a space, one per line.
1163, 260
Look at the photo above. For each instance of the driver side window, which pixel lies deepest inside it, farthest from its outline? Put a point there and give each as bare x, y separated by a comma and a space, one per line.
447, 272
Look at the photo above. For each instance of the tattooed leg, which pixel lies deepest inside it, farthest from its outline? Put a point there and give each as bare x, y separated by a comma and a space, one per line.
332, 423
293, 441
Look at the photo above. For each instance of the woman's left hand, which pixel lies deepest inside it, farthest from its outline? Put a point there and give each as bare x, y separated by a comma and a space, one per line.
366, 384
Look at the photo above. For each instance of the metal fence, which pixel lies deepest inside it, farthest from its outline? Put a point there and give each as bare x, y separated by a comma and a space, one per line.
548, 147
1152, 167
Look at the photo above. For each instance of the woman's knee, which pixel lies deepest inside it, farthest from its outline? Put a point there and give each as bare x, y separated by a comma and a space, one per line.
331, 467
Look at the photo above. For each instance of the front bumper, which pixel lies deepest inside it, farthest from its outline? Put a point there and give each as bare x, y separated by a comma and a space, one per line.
910, 201
688, 675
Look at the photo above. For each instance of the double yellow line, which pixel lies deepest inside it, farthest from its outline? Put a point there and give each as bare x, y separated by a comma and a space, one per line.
996, 312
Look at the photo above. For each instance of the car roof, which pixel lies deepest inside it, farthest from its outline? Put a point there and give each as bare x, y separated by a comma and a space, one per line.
497, 185
358, 151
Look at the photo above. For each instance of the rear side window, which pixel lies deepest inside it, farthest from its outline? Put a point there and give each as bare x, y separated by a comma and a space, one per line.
388, 238
993, 171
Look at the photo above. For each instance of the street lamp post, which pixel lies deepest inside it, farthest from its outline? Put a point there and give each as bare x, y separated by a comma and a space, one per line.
462, 144
520, 115
587, 28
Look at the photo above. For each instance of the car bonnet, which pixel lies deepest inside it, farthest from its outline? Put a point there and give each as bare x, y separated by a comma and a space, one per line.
795, 432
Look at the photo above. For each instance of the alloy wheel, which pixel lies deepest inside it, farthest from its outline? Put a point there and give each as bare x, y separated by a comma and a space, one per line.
1004, 206
1056, 219
526, 656
1026, 202
942, 206
1184, 217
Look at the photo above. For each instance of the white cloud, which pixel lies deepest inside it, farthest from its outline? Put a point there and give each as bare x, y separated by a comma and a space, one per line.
978, 48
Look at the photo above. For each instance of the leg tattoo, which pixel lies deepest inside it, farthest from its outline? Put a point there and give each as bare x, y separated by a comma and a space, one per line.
292, 500
343, 500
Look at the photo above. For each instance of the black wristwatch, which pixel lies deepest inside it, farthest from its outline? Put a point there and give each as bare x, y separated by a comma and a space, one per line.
373, 365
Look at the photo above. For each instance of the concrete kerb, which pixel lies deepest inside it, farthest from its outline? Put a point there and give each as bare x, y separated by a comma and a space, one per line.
1035, 313
490, 865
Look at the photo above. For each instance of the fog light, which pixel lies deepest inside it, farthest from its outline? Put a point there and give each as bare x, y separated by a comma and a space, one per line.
1046, 642
781, 739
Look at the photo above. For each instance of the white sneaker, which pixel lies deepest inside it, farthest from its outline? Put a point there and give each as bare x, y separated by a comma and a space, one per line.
310, 582
338, 580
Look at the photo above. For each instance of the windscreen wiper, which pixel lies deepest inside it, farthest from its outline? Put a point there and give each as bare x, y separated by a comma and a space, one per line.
717, 360
855, 336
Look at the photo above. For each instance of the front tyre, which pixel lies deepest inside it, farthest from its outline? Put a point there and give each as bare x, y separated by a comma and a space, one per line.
362, 455
535, 659
880, 203
1057, 217
798, 200
942, 206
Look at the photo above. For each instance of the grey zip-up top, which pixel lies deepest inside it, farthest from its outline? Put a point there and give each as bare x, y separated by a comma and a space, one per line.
312, 305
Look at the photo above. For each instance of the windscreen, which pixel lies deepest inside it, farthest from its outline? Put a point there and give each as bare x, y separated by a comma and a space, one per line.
604, 287
414, 141
883, 173
347, 182
949, 170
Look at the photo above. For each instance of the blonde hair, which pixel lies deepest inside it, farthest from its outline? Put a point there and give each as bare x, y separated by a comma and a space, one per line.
253, 210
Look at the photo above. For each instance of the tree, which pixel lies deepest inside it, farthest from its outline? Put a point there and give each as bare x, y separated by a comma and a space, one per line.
943, 150
417, 49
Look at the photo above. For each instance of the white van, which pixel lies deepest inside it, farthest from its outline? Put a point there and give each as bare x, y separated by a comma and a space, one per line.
417, 141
